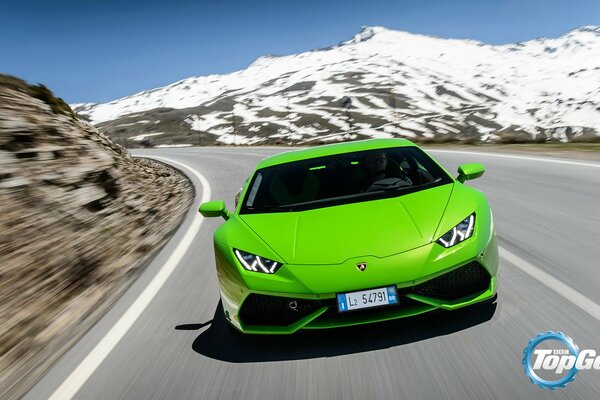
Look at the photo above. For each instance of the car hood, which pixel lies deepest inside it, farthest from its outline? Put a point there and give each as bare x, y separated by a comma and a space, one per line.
332, 235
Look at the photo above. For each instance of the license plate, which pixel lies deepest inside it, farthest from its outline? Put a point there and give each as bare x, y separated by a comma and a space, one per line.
367, 299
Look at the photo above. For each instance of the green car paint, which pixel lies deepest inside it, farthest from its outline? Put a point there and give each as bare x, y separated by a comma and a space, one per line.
319, 248
214, 209
469, 171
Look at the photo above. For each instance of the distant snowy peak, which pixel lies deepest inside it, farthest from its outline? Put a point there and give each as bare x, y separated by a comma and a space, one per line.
400, 84
594, 29
365, 33
577, 40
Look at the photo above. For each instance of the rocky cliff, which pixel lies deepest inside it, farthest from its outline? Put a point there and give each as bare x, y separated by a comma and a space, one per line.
80, 217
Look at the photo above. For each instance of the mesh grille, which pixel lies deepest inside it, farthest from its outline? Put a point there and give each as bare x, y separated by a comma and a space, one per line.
259, 309
467, 280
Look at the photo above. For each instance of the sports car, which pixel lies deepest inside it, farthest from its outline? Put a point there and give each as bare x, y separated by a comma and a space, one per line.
352, 233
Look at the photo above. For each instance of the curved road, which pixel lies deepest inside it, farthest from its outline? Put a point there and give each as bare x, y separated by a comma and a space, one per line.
165, 338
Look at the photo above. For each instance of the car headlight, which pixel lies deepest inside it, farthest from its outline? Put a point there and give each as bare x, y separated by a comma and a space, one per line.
252, 262
459, 233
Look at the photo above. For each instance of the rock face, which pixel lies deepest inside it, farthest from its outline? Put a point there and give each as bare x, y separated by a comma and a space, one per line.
79, 218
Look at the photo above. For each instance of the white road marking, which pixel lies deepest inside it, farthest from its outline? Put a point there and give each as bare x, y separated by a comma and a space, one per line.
551, 282
517, 157
238, 153
86, 368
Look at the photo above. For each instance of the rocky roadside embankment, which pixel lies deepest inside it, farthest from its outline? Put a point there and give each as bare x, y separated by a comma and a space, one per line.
80, 218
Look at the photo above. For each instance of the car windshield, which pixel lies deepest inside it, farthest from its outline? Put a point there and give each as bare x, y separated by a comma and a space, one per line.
341, 179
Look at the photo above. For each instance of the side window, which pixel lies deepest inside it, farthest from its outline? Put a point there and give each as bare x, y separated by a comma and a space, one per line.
236, 199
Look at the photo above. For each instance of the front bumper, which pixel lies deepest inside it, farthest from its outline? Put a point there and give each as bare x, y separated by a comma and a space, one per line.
314, 288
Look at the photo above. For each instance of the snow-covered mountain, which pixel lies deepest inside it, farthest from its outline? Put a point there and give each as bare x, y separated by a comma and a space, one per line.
381, 83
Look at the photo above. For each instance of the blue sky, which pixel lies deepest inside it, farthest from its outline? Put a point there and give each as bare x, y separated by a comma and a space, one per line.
95, 51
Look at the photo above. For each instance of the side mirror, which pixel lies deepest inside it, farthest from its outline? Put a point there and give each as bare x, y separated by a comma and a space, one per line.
214, 209
469, 171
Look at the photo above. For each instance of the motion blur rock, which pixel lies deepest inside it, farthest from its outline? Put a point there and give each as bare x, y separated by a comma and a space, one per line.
86, 195
75, 227
14, 183
7, 162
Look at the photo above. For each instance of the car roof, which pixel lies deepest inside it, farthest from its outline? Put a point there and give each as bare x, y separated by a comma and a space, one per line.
331, 149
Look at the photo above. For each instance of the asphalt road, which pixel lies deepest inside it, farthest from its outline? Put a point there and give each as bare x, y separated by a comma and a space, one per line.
548, 220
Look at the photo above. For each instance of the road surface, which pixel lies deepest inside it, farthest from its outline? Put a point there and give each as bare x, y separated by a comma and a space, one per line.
165, 338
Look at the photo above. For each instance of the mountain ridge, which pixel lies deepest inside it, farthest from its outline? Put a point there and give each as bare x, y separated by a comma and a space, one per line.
398, 83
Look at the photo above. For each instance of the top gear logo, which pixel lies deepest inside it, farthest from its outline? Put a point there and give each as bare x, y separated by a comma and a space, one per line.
562, 360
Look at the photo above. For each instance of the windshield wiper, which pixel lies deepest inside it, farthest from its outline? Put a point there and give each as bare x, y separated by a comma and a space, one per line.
403, 187
269, 208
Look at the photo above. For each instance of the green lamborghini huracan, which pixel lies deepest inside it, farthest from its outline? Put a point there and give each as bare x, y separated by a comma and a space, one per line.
352, 233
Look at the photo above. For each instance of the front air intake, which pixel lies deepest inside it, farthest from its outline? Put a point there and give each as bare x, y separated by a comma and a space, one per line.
470, 279
259, 309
